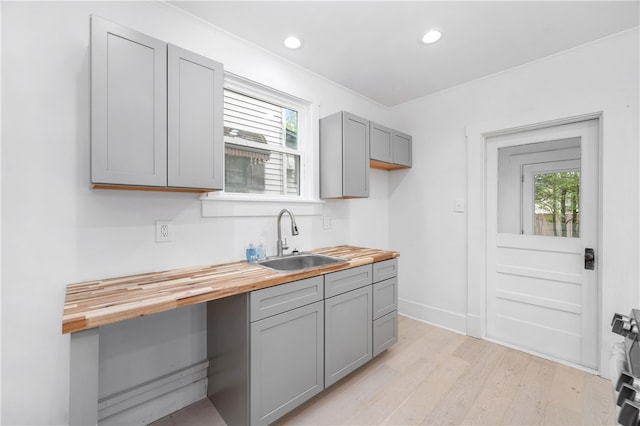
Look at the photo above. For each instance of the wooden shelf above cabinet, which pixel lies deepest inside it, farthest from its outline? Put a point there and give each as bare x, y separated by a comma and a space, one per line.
381, 165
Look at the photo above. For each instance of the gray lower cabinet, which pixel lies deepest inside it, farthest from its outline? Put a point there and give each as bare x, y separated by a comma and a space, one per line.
348, 332
385, 270
273, 349
286, 348
385, 297
385, 332
287, 362
340, 282
385, 305
266, 351
156, 113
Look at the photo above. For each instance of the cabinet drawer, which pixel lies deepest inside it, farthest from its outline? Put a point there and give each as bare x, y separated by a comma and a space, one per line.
281, 298
385, 332
385, 270
385, 297
349, 279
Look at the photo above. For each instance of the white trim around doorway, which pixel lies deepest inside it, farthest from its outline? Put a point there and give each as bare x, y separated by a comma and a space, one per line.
477, 134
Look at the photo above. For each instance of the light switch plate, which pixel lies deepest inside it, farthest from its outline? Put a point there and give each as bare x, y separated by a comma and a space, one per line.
458, 205
326, 222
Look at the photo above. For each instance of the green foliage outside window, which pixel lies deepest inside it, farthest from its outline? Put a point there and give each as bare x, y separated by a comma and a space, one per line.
557, 202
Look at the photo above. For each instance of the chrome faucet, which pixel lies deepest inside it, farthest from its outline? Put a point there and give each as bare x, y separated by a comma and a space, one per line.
294, 230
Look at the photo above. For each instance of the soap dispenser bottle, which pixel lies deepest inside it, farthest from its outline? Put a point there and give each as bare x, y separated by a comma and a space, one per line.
251, 253
261, 252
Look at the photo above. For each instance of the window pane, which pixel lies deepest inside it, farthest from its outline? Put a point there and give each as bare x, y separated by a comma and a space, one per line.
557, 204
293, 174
259, 138
247, 115
291, 125
245, 169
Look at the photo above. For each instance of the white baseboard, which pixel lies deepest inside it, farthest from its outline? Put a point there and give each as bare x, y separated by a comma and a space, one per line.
155, 399
440, 317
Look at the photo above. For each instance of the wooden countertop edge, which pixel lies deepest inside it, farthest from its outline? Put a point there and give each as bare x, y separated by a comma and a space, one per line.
74, 322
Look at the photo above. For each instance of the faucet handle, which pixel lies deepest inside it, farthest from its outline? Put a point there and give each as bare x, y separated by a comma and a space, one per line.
285, 246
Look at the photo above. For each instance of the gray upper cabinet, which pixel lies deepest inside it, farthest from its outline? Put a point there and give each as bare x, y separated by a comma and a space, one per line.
128, 106
156, 113
381, 143
195, 129
390, 149
344, 156
402, 149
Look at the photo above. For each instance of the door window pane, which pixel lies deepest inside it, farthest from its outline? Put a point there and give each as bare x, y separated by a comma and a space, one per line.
557, 204
539, 188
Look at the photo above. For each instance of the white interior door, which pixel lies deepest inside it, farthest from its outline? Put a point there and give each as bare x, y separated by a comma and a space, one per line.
542, 207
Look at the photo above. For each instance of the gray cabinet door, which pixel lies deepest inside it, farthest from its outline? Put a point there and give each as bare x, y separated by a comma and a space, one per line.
128, 106
344, 156
385, 332
355, 152
287, 362
348, 333
402, 148
195, 131
380, 143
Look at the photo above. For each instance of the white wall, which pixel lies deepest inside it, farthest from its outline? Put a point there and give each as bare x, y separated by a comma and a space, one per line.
57, 231
602, 76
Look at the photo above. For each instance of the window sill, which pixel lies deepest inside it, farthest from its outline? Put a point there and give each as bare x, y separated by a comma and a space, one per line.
218, 204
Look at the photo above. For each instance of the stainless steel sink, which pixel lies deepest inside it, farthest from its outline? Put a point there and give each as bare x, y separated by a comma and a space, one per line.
295, 262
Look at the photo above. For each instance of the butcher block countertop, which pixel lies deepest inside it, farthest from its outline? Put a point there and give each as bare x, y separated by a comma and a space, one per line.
96, 303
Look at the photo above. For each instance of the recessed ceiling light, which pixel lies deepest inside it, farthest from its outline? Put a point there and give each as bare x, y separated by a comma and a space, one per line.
292, 42
431, 36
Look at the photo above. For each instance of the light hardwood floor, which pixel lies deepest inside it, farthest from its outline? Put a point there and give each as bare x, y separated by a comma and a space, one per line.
433, 376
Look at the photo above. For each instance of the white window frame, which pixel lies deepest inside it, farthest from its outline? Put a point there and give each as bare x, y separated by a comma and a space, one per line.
221, 203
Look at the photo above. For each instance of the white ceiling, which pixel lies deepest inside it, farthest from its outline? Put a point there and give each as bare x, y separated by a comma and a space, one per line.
373, 48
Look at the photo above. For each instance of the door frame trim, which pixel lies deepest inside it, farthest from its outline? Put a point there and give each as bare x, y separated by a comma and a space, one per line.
477, 135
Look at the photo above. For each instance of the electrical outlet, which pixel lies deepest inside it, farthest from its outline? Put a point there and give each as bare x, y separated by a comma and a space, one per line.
164, 231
